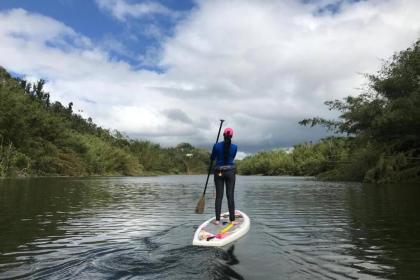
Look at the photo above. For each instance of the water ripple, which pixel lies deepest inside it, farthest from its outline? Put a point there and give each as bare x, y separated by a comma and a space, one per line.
141, 228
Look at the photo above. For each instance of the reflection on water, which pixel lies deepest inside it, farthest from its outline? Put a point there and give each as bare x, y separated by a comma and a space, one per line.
385, 229
120, 228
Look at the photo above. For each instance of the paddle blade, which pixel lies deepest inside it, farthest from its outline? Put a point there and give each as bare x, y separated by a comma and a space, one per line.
200, 205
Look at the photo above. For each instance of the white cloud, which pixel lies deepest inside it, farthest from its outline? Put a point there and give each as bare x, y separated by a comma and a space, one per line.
241, 155
122, 10
261, 65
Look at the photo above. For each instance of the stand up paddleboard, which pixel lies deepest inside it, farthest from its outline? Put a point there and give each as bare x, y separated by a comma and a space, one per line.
209, 234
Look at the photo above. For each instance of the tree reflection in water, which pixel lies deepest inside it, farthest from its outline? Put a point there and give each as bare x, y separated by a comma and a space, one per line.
384, 229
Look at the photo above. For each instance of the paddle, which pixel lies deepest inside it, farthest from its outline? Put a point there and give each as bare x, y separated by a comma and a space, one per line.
200, 205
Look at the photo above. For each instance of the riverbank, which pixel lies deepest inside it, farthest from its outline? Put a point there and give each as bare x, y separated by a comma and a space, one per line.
39, 137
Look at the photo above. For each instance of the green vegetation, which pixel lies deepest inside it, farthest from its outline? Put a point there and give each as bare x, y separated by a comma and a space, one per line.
382, 126
40, 138
303, 160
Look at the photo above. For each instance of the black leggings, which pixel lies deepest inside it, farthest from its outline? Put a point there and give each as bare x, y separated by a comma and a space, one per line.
227, 177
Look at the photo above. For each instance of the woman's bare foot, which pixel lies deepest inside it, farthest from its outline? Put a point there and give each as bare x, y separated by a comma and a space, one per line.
234, 223
216, 222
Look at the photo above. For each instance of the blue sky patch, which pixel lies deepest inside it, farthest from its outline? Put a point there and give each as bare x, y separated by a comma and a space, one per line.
133, 40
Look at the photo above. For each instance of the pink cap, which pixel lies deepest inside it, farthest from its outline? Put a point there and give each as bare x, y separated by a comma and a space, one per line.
228, 132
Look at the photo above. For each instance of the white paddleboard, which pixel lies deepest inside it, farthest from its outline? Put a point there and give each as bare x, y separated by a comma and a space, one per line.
209, 234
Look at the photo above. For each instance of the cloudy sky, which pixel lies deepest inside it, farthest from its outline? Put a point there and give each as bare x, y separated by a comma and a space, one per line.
168, 70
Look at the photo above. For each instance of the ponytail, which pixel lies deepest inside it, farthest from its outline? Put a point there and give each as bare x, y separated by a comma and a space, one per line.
226, 148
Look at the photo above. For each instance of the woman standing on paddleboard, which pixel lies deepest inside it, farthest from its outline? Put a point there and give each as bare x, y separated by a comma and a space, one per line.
224, 173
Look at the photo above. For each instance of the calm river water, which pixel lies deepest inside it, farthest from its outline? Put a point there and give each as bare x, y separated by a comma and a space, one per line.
142, 228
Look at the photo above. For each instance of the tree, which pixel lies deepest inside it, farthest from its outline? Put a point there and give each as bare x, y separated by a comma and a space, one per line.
385, 118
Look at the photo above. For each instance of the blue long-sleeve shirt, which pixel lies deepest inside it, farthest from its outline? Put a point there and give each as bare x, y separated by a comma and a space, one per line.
218, 154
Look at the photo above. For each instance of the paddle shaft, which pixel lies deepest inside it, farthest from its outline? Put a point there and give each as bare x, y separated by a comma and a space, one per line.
211, 161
